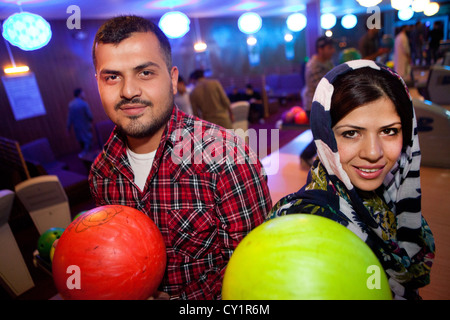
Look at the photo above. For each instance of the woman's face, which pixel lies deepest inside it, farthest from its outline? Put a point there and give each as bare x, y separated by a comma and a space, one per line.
369, 141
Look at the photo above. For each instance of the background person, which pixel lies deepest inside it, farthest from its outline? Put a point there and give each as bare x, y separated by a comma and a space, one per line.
80, 118
315, 69
209, 100
182, 97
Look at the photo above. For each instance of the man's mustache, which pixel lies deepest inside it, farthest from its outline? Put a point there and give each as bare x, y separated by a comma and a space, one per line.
132, 101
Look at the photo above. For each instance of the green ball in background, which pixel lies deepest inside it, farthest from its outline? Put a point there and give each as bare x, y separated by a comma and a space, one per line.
304, 257
349, 54
79, 214
46, 240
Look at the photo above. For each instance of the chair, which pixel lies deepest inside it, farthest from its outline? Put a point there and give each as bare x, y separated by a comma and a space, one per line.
13, 270
433, 126
240, 110
438, 86
39, 151
103, 130
46, 201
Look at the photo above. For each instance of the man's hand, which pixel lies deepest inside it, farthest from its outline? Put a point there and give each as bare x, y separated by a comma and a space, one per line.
160, 295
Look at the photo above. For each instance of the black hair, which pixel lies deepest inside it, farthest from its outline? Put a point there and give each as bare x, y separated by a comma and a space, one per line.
120, 28
77, 92
364, 85
197, 74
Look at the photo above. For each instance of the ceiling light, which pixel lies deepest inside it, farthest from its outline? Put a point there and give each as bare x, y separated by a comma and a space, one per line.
405, 14
288, 37
368, 3
249, 22
400, 4
27, 31
419, 5
349, 21
200, 46
14, 70
431, 9
296, 22
251, 41
174, 24
327, 21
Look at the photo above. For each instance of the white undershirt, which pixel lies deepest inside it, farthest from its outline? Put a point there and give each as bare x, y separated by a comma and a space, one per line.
141, 163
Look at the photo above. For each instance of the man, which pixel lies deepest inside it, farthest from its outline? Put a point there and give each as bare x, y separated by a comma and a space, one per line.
316, 68
369, 45
182, 97
209, 100
80, 117
203, 205
256, 112
402, 55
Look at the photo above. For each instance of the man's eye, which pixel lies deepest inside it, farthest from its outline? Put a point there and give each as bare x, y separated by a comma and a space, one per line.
147, 73
111, 77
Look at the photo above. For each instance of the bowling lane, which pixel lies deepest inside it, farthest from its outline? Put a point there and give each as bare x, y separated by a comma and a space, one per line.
286, 177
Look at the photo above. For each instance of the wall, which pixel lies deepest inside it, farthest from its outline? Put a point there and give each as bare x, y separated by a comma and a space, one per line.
65, 63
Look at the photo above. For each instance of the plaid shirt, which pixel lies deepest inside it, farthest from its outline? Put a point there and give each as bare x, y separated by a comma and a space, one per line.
202, 203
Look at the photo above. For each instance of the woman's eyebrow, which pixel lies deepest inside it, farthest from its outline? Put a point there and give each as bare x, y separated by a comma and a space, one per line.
392, 124
349, 126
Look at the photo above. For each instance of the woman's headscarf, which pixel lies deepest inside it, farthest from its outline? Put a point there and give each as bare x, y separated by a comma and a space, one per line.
393, 228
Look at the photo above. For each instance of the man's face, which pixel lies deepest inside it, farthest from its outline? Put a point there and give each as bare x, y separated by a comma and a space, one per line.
135, 86
328, 51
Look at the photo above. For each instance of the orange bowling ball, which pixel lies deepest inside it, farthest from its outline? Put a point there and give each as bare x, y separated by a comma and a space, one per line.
301, 117
110, 252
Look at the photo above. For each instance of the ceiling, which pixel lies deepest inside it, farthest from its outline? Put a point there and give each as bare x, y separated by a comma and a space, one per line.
102, 9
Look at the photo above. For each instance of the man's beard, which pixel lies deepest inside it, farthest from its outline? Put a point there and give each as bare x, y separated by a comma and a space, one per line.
136, 129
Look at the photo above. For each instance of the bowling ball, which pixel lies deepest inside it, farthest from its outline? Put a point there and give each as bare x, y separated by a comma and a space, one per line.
349, 54
301, 118
52, 252
112, 252
46, 240
289, 118
302, 257
79, 214
296, 109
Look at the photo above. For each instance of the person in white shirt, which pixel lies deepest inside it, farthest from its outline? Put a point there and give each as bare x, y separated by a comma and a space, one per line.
402, 55
182, 97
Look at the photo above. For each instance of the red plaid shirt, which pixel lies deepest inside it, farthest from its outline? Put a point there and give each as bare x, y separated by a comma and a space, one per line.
203, 204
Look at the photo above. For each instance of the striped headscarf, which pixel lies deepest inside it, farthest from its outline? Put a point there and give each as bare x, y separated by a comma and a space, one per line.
407, 252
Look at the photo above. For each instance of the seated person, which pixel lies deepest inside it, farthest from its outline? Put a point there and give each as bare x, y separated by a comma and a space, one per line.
256, 113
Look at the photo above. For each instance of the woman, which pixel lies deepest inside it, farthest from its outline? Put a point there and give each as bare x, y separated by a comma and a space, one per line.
367, 174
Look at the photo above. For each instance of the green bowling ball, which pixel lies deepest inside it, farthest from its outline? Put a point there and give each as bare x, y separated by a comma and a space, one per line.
79, 214
349, 54
46, 240
302, 257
